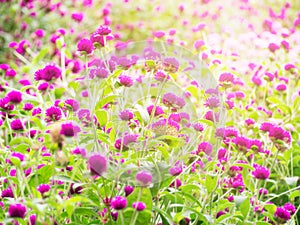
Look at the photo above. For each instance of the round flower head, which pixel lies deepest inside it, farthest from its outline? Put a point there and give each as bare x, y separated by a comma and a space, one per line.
125, 80
171, 65
212, 102
144, 178
282, 215
43, 188
161, 76
17, 210
97, 164
128, 190
99, 72
14, 96
72, 104
28, 106
126, 115
77, 17
205, 147
103, 30
53, 114
290, 207
198, 127
85, 46
4, 104
69, 129
172, 100
48, 73
32, 219
261, 172
119, 202
7, 193
139, 206
226, 78
16, 125
158, 110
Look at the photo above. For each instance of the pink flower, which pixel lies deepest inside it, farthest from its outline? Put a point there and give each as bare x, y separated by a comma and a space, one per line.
97, 164
261, 172
85, 46
125, 80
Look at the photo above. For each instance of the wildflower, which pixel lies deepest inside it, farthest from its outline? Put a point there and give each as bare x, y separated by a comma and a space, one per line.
53, 114
17, 210
171, 65
48, 73
139, 206
97, 164
158, 110
290, 207
4, 104
126, 115
166, 127
72, 104
119, 202
198, 127
261, 172
69, 129
85, 46
16, 125
28, 106
159, 34
14, 96
144, 178
43, 188
282, 215
226, 78
77, 17
125, 80
124, 142
99, 72
204, 147
161, 76
278, 133
212, 102
172, 100
7, 193
177, 183
32, 219
103, 30
128, 190
281, 87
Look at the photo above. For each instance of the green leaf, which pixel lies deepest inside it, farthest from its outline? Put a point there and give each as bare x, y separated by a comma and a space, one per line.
271, 208
143, 217
164, 215
294, 194
143, 113
85, 211
211, 183
245, 207
58, 92
102, 116
20, 140
105, 100
40, 55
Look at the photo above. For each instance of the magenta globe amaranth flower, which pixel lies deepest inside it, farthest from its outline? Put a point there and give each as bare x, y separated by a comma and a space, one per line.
16, 125
43, 188
103, 30
7, 193
119, 202
125, 80
126, 115
282, 215
69, 129
144, 178
14, 96
85, 46
48, 73
128, 190
139, 206
17, 210
261, 172
97, 164
53, 113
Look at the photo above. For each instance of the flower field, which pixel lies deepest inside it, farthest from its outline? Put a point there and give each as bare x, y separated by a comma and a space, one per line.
149, 112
